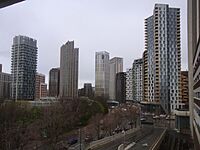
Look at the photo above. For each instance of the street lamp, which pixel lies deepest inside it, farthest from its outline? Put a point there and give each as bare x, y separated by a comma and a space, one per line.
124, 132
80, 135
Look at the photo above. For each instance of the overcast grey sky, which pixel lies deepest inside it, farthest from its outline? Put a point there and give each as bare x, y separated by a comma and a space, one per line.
116, 26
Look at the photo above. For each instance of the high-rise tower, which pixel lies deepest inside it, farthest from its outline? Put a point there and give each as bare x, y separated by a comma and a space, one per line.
164, 56
54, 81
116, 65
138, 80
69, 71
129, 84
23, 68
102, 74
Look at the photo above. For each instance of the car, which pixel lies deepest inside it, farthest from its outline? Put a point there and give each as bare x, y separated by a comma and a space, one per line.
72, 141
156, 117
168, 118
126, 129
142, 119
88, 139
145, 145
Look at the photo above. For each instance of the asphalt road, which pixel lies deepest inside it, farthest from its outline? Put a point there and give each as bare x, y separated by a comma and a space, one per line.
149, 140
147, 133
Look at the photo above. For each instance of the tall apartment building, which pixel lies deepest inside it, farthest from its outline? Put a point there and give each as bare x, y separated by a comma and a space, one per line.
102, 74
40, 81
120, 88
54, 81
129, 84
194, 68
138, 80
145, 76
23, 67
164, 56
5, 85
116, 65
69, 57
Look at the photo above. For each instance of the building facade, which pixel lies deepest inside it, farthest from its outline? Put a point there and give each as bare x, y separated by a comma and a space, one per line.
43, 90
184, 100
88, 91
102, 74
194, 68
138, 80
23, 68
0, 67
69, 57
129, 84
120, 88
116, 65
40, 79
145, 76
54, 82
164, 56
5, 85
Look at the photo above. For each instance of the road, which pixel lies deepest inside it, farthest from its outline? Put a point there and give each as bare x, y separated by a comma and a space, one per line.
149, 139
146, 135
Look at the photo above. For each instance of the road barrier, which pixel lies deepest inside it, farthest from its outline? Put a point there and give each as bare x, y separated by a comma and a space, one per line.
121, 147
129, 146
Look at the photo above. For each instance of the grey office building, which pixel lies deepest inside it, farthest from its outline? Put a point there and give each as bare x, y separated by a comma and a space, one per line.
23, 68
162, 37
69, 71
54, 82
88, 90
116, 65
102, 74
120, 87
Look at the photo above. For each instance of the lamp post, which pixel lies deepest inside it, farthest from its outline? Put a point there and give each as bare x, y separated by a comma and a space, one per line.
80, 135
124, 132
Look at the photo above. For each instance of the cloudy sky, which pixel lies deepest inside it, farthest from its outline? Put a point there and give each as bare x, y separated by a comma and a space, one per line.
116, 26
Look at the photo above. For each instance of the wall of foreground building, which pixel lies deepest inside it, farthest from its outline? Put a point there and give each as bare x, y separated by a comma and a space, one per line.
194, 68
